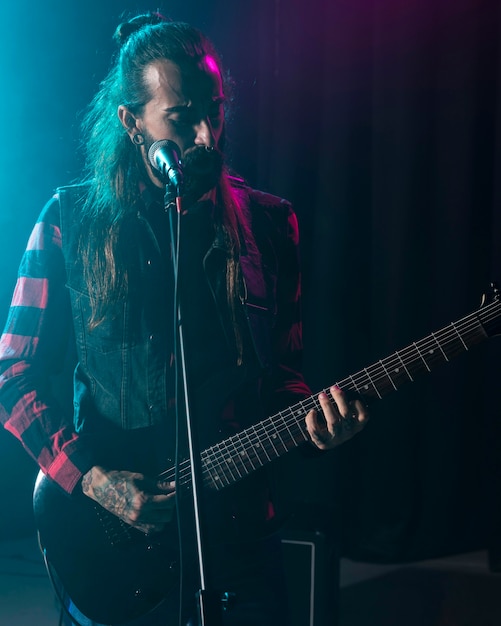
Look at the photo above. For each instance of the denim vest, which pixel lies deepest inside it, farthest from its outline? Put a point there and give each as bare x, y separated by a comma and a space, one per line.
123, 374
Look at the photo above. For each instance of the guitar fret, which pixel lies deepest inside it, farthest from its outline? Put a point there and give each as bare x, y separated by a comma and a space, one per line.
260, 448
297, 433
459, 335
290, 436
435, 357
210, 475
372, 383
354, 384
228, 463
364, 385
234, 462
216, 478
404, 366
286, 449
268, 444
287, 425
248, 453
224, 465
221, 478
251, 450
270, 439
299, 424
440, 346
388, 375
244, 454
264, 440
397, 370
236, 458
293, 423
421, 356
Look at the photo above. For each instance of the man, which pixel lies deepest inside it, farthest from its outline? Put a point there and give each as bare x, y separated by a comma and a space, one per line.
101, 254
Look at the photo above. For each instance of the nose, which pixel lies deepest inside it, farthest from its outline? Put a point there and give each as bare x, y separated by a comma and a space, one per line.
205, 133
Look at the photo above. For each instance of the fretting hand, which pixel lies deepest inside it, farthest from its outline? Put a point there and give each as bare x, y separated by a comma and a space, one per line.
341, 420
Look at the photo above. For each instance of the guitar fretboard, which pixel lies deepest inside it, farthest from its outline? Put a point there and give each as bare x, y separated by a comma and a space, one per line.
251, 449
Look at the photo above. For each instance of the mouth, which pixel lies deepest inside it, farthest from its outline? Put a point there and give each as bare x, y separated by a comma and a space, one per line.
202, 168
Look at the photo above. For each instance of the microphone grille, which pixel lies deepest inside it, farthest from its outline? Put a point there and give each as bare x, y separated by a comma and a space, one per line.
158, 145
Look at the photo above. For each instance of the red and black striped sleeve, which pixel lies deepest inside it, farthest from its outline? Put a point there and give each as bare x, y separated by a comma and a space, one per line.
32, 351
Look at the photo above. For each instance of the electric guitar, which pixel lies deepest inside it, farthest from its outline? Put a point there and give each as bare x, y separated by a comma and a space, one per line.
114, 573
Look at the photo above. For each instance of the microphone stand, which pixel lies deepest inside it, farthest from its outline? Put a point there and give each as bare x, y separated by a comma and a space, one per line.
209, 602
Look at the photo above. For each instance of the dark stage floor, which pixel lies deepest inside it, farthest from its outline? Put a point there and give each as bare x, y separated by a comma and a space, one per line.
455, 591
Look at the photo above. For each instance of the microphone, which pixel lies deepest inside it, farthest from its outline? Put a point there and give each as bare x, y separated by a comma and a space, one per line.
164, 156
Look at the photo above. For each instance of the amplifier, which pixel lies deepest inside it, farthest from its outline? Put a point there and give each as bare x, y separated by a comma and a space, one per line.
309, 573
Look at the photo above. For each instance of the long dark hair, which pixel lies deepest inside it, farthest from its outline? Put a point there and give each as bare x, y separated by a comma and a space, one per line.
114, 166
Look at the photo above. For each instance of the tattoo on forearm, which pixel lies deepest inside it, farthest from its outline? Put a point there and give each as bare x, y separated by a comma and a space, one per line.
115, 495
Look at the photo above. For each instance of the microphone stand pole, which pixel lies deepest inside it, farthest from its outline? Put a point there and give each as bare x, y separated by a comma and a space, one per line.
209, 602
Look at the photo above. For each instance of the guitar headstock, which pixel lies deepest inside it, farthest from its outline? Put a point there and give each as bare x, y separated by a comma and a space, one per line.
490, 311
492, 295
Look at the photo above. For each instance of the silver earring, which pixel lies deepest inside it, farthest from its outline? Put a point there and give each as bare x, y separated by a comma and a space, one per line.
138, 139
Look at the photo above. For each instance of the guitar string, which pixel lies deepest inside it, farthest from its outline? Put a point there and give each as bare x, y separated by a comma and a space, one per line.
236, 441
428, 347
430, 344
282, 422
239, 448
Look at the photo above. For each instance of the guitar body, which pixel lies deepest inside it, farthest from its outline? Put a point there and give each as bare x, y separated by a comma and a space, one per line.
112, 572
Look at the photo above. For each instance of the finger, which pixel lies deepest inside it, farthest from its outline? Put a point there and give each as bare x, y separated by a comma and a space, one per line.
331, 413
340, 400
352, 412
155, 485
161, 501
362, 413
319, 434
311, 421
143, 507
167, 486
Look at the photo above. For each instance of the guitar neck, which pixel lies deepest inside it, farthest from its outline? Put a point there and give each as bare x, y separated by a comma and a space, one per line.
251, 449
422, 356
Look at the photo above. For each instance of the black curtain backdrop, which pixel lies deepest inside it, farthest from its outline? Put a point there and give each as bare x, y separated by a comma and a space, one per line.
380, 120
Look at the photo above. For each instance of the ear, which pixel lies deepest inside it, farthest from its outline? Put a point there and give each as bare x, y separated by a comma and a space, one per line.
128, 120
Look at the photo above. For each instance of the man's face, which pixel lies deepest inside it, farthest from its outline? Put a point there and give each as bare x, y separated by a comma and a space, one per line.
185, 107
